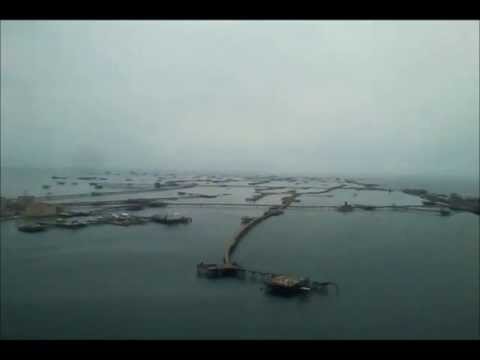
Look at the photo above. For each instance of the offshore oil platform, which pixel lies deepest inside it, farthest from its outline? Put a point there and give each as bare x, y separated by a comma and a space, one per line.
276, 284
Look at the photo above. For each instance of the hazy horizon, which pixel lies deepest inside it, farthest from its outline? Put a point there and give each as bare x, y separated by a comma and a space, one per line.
286, 97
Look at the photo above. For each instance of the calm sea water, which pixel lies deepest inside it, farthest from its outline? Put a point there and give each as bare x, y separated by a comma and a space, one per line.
402, 275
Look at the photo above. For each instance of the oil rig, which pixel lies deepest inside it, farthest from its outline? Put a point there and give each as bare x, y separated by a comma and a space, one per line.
275, 284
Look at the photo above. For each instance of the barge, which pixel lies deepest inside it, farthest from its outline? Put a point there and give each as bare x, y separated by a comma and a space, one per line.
30, 228
171, 219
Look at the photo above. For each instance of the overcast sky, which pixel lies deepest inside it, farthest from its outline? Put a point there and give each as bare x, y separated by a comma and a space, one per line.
282, 96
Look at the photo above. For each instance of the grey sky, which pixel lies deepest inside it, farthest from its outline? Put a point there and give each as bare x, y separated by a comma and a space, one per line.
318, 97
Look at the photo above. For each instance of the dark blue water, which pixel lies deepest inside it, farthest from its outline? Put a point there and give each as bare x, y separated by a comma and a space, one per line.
402, 275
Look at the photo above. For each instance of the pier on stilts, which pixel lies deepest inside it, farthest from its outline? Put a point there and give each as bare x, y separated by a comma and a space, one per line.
276, 283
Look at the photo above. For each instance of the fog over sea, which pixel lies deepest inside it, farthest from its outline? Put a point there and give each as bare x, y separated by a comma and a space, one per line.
124, 116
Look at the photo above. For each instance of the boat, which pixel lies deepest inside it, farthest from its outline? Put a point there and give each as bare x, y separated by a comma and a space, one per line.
65, 214
346, 207
157, 204
71, 225
32, 228
135, 207
125, 219
171, 219
122, 222
80, 213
